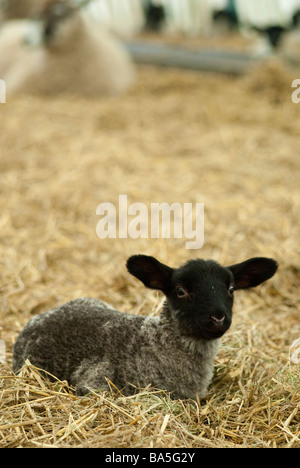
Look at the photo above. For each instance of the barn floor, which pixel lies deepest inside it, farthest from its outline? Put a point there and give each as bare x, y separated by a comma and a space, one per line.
176, 136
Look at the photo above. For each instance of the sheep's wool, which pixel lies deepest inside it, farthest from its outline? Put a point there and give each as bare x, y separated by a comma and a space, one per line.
99, 342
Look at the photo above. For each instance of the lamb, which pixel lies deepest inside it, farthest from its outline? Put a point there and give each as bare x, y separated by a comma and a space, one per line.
86, 341
68, 55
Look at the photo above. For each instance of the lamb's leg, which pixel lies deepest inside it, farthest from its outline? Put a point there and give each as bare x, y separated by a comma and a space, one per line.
91, 376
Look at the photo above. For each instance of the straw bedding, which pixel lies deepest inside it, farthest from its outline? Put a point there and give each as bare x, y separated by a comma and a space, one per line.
231, 143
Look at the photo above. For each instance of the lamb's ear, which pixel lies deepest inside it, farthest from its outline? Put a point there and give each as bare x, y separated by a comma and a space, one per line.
253, 272
151, 272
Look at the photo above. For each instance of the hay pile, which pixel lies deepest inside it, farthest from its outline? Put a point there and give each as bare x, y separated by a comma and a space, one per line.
177, 136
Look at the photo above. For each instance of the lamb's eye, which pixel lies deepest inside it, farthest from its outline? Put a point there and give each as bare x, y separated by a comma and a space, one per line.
231, 289
181, 292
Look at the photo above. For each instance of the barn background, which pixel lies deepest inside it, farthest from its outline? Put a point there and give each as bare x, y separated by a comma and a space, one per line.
229, 140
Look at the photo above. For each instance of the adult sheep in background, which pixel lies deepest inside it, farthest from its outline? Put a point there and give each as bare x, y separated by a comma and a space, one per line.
16, 9
70, 55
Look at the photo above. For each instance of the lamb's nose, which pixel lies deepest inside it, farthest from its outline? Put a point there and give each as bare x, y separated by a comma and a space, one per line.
217, 321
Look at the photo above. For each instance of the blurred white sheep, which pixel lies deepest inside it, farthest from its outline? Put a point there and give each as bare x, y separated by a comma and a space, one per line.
16, 9
71, 55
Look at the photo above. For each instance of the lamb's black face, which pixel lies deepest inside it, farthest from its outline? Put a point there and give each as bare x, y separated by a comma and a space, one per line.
200, 293
201, 297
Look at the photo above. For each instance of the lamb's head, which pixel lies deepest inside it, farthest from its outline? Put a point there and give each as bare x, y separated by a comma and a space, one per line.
200, 293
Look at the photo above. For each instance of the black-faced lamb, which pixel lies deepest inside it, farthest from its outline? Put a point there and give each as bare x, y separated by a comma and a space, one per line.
60, 52
86, 341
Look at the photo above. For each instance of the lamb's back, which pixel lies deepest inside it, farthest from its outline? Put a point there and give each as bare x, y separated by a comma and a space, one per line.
60, 339
85, 342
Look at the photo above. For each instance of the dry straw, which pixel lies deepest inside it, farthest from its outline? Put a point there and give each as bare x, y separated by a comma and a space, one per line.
231, 143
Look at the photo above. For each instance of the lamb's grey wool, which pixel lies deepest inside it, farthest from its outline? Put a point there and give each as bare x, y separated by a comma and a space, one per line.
86, 341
